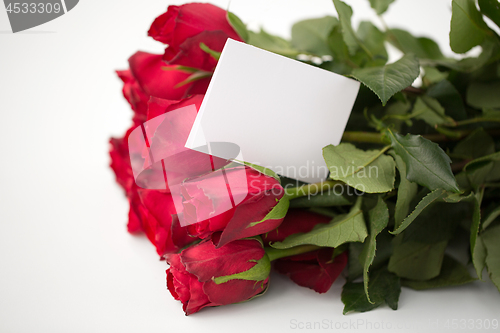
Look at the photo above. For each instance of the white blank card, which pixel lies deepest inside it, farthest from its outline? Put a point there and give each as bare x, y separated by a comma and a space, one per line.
279, 111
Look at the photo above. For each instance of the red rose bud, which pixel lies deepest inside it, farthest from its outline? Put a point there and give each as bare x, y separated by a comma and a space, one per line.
158, 157
204, 275
140, 218
150, 211
134, 95
120, 164
296, 221
315, 270
160, 223
148, 69
190, 53
149, 76
184, 27
158, 106
241, 202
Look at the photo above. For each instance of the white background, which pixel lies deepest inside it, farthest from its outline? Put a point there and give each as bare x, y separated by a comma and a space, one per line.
67, 263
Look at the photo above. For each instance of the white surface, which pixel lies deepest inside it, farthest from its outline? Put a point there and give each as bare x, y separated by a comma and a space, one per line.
67, 262
273, 106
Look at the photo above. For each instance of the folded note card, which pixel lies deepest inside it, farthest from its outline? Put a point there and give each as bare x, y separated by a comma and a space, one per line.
279, 111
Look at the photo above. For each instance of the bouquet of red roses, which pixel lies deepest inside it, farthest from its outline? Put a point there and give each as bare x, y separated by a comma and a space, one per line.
391, 229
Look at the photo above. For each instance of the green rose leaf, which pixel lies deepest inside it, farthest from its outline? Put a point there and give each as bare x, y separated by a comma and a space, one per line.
478, 252
468, 65
196, 76
278, 212
387, 80
272, 43
341, 229
342, 63
489, 53
430, 198
433, 75
452, 273
429, 110
490, 240
421, 47
312, 35
491, 8
475, 145
438, 222
416, 260
214, 54
259, 272
406, 192
372, 52
380, 6
263, 170
354, 266
345, 12
426, 163
368, 171
449, 97
378, 220
484, 94
374, 41
383, 253
384, 288
467, 26
483, 169
237, 25
396, 114
491, 217
326, 199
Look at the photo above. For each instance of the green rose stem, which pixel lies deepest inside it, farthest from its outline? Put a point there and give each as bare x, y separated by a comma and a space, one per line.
310, 189
379, 138
365, 137
474, 121
274, 254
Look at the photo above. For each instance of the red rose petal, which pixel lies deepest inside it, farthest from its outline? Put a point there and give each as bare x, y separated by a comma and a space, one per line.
296, 220
206, 261
154, 80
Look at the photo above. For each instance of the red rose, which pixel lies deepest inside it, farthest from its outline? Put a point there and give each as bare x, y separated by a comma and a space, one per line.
157, 226
120, 164
157, 150
238, 213
158, 106
316, 270
190, 53
151, 210
296, 220
184, 27
160, 222
134, 95
154, 79
200, 195
204, 275
148, 77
